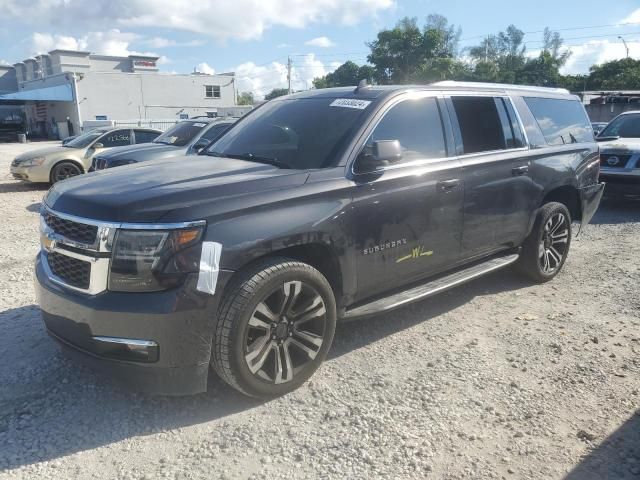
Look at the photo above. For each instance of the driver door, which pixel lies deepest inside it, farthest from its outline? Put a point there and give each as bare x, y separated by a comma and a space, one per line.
409, 212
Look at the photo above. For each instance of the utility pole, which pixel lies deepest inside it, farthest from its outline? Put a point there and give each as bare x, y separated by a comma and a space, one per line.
625, 44
289, 73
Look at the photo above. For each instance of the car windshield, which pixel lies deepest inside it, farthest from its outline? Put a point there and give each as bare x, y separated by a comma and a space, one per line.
181, 134
85, 139
302, 133
626, 126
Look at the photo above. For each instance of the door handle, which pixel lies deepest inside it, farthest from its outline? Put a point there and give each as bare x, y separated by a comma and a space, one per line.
522, 170
447, 185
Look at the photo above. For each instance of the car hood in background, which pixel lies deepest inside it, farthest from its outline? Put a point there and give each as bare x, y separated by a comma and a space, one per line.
142, 150
621, 145
43, 152
178, 189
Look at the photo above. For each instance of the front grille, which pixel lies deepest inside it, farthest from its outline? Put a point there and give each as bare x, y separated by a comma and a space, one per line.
72, 271
98, 163
605, 158
78, 232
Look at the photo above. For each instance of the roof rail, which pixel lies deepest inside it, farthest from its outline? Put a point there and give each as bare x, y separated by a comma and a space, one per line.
494, 86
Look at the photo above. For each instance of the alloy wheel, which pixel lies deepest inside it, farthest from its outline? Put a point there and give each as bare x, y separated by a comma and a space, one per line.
66, 171
285, 332
553, 244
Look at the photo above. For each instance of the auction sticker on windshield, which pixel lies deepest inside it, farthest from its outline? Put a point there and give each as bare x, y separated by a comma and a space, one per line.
350, 103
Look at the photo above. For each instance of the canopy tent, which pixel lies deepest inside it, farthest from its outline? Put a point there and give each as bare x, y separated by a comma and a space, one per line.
58, 93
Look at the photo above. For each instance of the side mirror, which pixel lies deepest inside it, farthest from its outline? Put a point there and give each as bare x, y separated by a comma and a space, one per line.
607, 139
381, 153
97, 146
200, 144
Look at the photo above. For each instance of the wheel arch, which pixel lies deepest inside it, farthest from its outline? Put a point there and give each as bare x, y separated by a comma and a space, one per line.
569, 196
65, 160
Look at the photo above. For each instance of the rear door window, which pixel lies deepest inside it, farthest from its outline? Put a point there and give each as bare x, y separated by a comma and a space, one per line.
480, 125
116, 138
561, 121
145, 136
417, 125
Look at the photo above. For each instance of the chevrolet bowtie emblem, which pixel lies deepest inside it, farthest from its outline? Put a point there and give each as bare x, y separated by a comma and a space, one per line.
47, 243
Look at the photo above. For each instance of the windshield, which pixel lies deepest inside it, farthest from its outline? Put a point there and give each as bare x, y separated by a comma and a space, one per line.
626, 126
85, 139
181, 134
301, 133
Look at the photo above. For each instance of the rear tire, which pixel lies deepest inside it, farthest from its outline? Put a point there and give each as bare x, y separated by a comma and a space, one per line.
275, 326
546, 248
64, 170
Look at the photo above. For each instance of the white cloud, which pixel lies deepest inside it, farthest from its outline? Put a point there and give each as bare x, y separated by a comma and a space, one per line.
633, 17
240, 19
596, 52
205, 68
110, 42
4, 62
161, 42
261, 79
322, 42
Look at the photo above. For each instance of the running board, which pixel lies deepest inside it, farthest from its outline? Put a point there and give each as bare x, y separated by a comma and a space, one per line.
431, 288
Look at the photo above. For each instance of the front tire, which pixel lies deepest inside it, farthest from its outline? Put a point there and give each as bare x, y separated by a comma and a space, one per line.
275, 326
546, 248
64, 170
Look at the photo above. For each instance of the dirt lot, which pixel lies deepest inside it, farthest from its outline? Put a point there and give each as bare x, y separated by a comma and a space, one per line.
496, 379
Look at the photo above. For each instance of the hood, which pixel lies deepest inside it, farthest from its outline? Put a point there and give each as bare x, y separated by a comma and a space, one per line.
133, 152
41, 152
620, 145
186, 186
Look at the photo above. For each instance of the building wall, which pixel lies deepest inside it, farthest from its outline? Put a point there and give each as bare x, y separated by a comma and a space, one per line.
8, 80
605, 112
124, 96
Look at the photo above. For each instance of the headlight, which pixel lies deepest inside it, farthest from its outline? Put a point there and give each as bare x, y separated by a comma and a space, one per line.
33, 162
152, 260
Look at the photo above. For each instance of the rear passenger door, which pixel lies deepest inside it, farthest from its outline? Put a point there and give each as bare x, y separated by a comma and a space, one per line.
408, 213
499, 195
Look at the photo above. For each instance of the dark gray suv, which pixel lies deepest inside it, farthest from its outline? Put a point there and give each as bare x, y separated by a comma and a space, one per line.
314, 208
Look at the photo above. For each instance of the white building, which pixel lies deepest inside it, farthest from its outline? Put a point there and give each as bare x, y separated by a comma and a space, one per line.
64, 91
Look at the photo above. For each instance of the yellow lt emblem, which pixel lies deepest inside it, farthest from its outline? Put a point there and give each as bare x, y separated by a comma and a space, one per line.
416, 252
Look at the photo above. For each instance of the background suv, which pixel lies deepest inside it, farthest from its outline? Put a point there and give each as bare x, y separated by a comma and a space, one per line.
50, 165
187, 137
620, 150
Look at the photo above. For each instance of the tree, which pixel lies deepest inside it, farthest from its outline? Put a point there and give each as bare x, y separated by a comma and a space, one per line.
499, 57
407, 53
345, 75
245, 98
275, 93
615, 75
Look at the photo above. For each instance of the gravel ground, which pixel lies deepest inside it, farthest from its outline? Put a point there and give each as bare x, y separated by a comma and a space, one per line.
496, 379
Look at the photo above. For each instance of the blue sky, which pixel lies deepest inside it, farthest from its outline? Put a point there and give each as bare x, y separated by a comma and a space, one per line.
254, 37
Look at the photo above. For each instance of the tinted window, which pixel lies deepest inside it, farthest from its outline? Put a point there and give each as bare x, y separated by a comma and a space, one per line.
480, 126
623, 126
215, 131
561, 121
301, 133
145, 136
416, 124
85, 139
181, 133
116, 138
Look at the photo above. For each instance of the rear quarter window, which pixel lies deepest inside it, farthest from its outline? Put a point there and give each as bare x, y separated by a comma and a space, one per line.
561, 121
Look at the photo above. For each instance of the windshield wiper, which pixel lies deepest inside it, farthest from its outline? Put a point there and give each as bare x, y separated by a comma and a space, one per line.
252, 158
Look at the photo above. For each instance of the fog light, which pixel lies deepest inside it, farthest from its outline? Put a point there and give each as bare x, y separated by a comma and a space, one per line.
127, 349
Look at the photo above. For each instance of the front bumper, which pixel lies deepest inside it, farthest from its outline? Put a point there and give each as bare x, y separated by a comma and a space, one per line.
590, 198
38, 174
628, 176
180, 322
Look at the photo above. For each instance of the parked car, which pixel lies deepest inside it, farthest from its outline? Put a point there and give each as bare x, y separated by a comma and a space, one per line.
68, 139
620, 150
187, 137
320, 206
598, 126
52, 164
